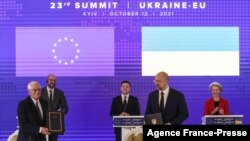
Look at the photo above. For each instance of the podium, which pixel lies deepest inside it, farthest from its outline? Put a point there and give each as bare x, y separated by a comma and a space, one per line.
131, 127
222, 120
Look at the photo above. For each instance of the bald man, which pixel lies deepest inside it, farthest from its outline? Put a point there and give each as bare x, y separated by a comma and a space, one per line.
55, 98
167, 101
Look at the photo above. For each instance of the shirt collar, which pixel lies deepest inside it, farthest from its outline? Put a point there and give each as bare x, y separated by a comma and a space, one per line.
127, 95
166, 91
34, 101
49, 89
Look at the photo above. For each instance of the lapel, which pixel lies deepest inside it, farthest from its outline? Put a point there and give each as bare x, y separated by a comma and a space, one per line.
34, 111
55, 96
129, 102
50, 107
46, 95
44, 109
168, 100
120, 102
156, 100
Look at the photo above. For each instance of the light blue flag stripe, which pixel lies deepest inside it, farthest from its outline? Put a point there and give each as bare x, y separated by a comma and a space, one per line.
190, 38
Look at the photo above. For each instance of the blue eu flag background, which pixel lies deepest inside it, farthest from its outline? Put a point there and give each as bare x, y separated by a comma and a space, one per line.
65, 51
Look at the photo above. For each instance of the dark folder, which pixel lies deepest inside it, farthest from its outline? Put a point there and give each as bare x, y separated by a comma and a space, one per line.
55, 122
154, 119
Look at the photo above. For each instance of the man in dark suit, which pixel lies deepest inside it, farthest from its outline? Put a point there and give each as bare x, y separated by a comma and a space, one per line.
124, 105
32, 115
55, 98
167, 101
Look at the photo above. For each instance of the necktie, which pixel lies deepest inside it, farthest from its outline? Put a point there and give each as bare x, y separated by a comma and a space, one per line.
162, 102
124, 103
39, 112
50, 97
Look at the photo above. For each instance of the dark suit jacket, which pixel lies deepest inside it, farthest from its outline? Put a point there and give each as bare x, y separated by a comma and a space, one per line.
133, 106
29, 120
175, 111
209, 106
59, 100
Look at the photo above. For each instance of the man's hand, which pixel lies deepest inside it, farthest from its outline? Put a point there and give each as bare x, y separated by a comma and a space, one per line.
168, 123
45, 131
124, 114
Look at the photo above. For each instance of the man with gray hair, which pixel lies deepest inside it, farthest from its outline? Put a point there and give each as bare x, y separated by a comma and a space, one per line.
32, 115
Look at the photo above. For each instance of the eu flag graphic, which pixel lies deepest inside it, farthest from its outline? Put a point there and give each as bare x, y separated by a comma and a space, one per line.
65, 51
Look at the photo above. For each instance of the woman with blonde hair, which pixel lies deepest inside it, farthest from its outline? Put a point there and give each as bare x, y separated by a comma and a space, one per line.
216, 105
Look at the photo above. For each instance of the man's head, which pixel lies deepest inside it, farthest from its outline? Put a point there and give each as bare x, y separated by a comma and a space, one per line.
51, 81
125, 87
34, 89
161, 81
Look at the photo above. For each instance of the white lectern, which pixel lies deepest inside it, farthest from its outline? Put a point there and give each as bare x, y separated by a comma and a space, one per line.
222, 119
131, 127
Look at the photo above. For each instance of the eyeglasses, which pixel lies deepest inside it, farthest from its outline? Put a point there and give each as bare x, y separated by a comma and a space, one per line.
35, 90
159, 81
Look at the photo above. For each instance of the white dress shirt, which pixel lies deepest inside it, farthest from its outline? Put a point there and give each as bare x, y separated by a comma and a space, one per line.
165, 95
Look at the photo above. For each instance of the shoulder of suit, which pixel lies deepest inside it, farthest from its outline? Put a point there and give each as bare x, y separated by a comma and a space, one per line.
133, 97
117, 97
154, 92
23, 101
44, 89
176, 92
42, 100
58, 90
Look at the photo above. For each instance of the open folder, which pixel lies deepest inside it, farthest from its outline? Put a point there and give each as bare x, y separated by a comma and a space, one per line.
153, 119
